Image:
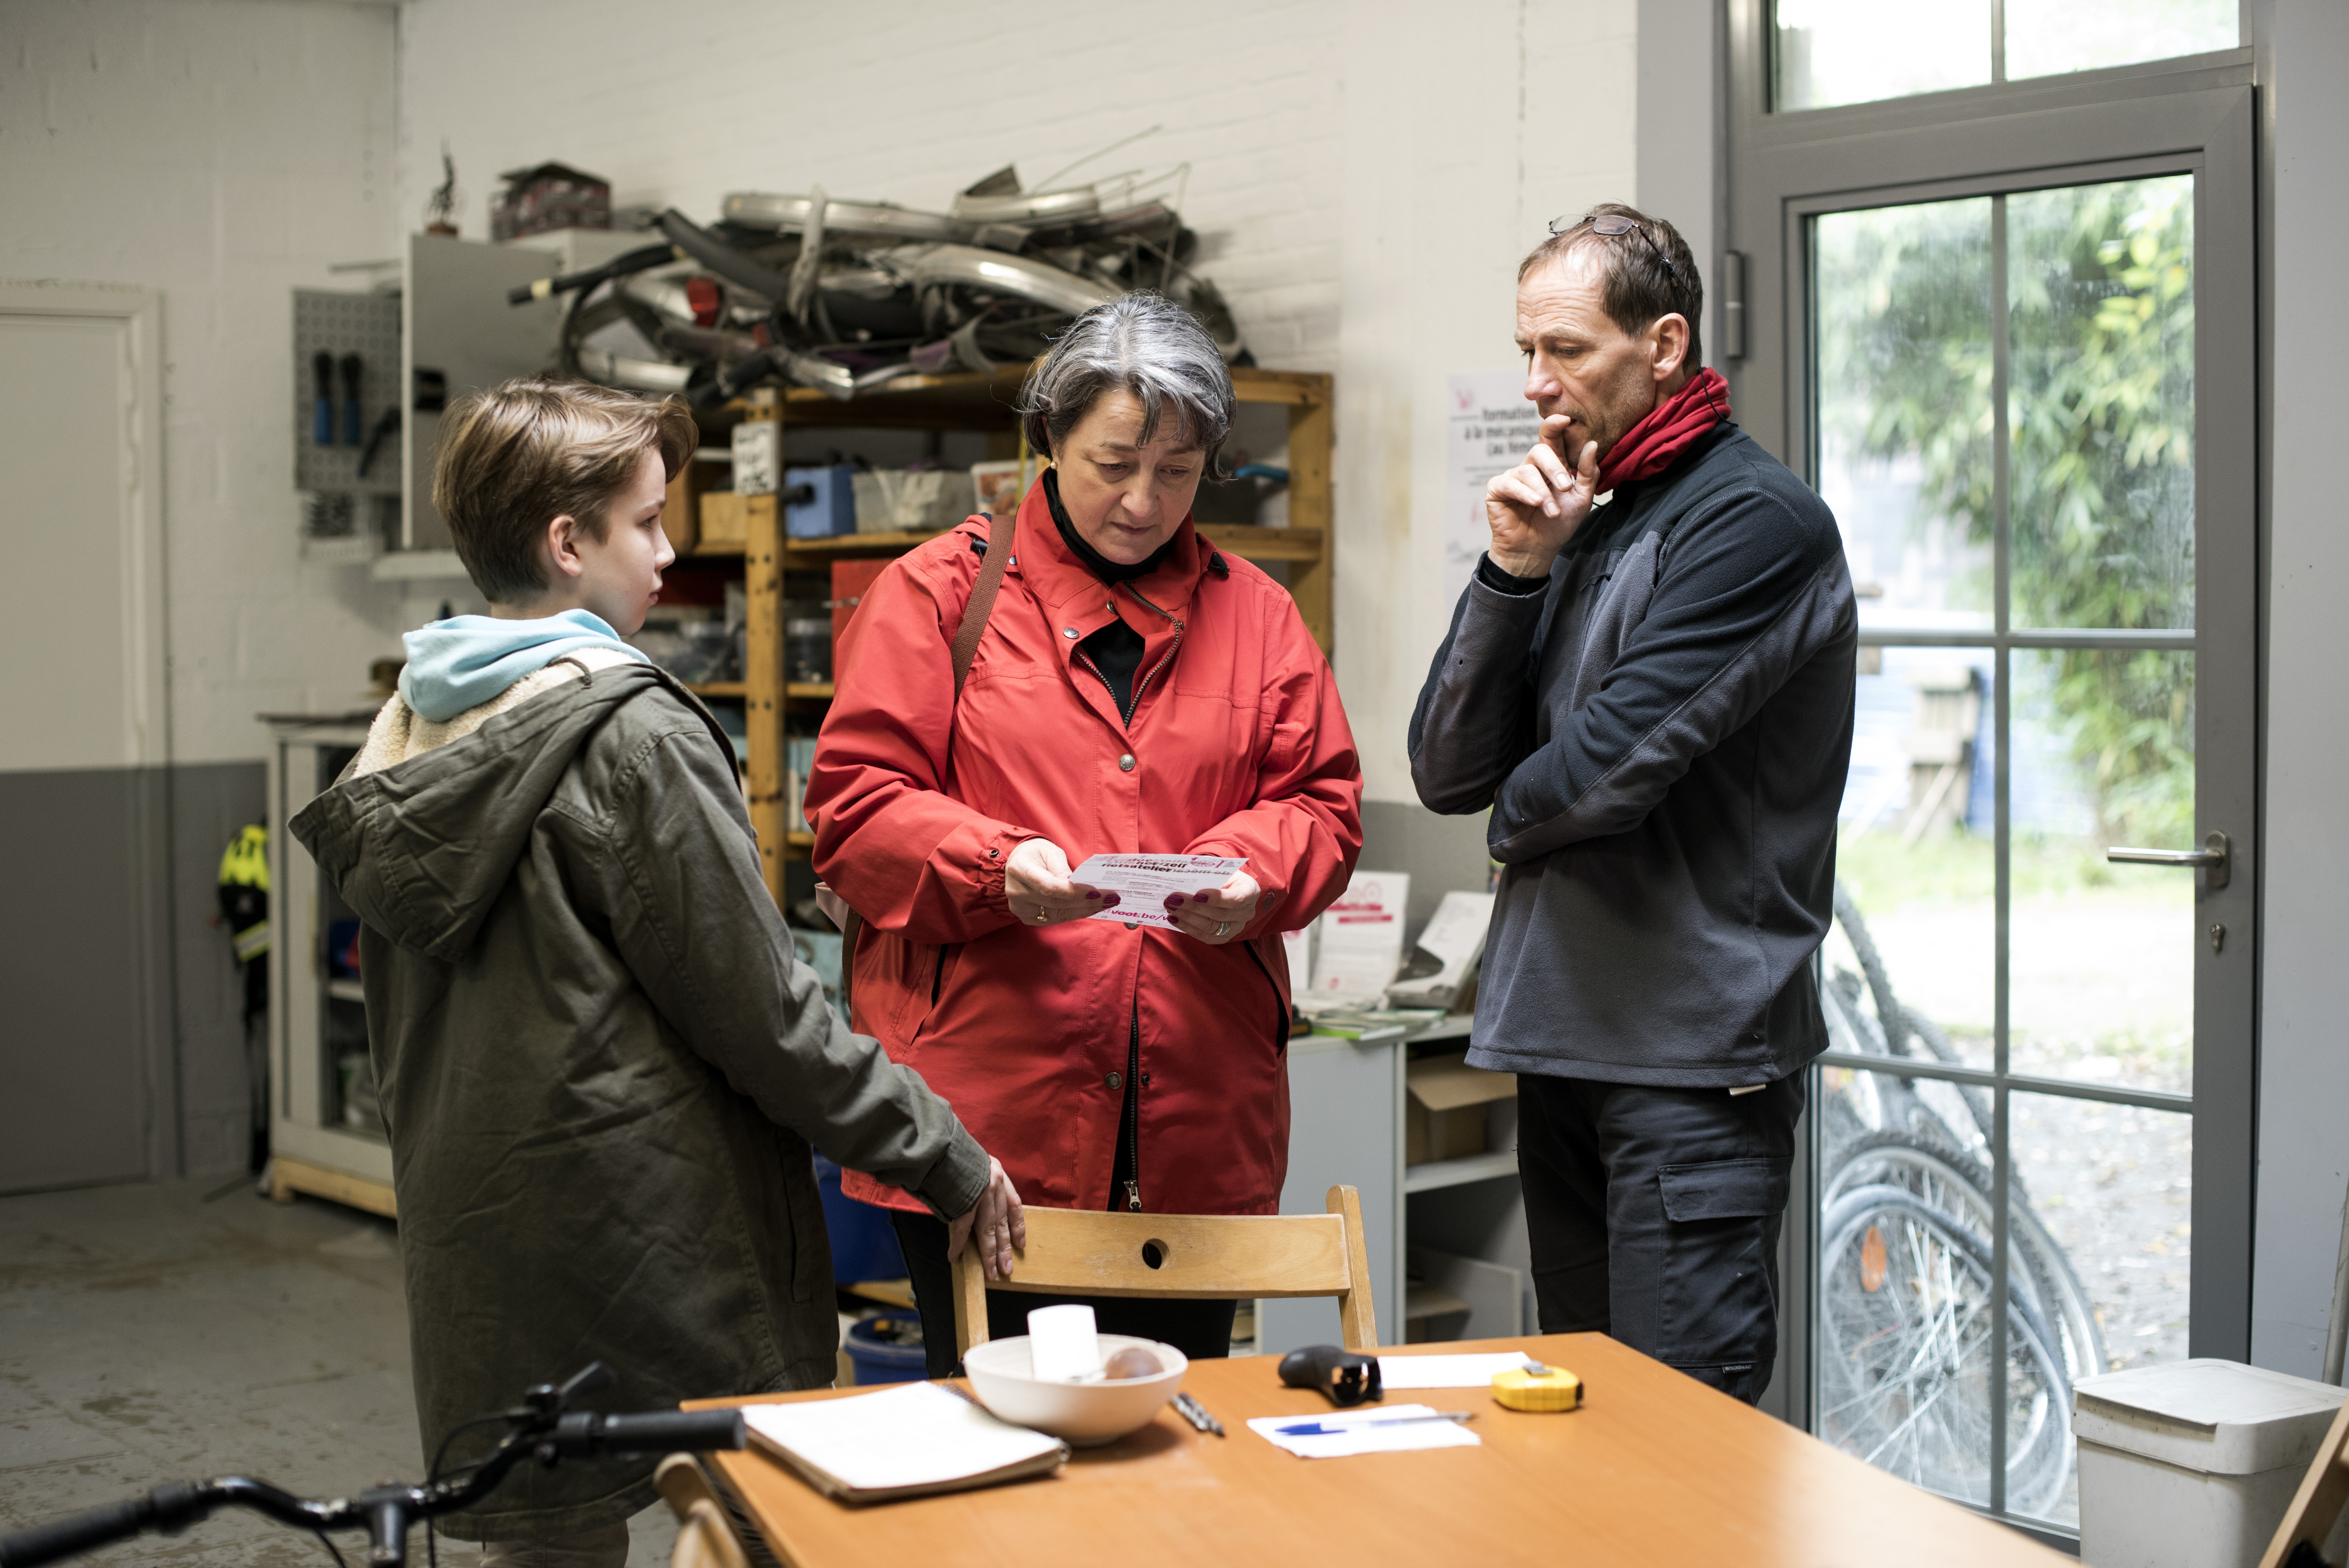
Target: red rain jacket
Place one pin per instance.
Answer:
(1238, 746)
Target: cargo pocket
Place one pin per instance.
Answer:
(1719, 1313)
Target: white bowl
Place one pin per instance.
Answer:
(1083, 1414)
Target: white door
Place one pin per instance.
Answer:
(85, 1047)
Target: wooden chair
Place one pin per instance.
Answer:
(2316, 1506)
(705, 1537)
(1184, 1257)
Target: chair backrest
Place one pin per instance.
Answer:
(2316, 1506)
(704, 1538)
(1197, 1257)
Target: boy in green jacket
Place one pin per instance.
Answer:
(601, 1069)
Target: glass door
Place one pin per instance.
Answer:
(2004, 414)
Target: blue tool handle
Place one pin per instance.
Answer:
(323, 428)
(351, 422)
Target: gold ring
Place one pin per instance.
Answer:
(1223, 928)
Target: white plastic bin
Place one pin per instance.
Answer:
(2191, 1465)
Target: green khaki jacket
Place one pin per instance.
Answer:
(601, 1071)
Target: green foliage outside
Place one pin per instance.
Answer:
(2100, 415)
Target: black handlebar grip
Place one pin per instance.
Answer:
(695, 1431)
(72, 1537)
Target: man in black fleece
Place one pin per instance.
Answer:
(1653, 696)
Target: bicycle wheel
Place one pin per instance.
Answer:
(1904, 1357)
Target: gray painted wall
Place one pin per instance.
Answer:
(1441, 854)
(122, 1056)
(1678, 130)
(2304, 1127)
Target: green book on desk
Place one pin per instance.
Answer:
(1373, 1022)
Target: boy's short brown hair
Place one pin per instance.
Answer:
(516, 457)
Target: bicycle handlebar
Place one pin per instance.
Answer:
(540, 1429)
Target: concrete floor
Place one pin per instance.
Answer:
(148, 1335)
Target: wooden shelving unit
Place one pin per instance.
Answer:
(751, 529)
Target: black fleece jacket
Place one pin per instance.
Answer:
(1662, 732)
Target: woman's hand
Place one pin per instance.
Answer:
(999, 1224)
(1215, 915)
(1036, 885)
(1533, 509)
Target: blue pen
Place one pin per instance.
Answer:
(1321, 1429)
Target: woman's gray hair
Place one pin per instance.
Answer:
(1140, 343)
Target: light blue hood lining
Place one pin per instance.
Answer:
(466, 660)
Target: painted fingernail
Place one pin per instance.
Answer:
(1174, 901)
(1111, 900)
(1090, 893)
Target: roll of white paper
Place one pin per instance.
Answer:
(1062, 1343)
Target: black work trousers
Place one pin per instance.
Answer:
(1201, 1330)
(1654, 1217)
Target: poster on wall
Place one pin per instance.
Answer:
(1491, 427)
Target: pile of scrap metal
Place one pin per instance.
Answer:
(847, 296)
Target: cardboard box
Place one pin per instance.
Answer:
(1443, 1117)
(681, 512)
(726, 518)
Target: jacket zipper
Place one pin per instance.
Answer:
(1132, 1115)
(1173, 648)
(1133, 1110)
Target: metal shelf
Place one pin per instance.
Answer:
(1454, 1173)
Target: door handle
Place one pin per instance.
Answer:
(2212, 858)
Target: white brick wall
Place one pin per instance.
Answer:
(1365, 177)
(223, 152)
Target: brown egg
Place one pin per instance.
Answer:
(1132, 1362)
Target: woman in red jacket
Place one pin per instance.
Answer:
(1133, 691)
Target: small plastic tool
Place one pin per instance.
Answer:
(1346, 1376)
(1538, 1387)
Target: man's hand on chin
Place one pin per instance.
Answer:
(1533, 509)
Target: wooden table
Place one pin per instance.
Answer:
(1657, 1468)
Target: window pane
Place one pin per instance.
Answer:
(2102, 967)
(2045, 37)
(2102, 1243)
(1915, 873)
(2100, 286)
(1855, 51)
(1903, 313)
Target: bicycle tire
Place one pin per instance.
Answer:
(1914, 1386)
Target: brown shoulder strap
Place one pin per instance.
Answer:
(1001, 531)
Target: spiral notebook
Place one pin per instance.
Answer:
(910, 1440)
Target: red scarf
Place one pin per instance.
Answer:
(1670, 428)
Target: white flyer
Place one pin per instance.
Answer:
(1490, 427)
(1143, 883)
(1361, 944)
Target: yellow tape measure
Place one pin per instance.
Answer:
(1538, 1388)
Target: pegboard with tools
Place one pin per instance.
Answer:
(347, 396)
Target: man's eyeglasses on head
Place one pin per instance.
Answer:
(1612, 225)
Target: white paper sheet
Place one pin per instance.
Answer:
(1448, 1371)
(1365, 1432)
(1142, 883)
(916, 1434)
(1456, 938)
